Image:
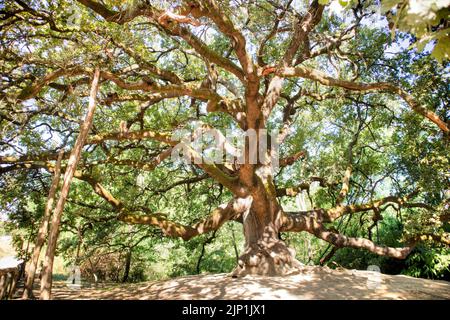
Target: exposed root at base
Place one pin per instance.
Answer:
(272, 259)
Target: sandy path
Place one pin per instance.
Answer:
(312, 283)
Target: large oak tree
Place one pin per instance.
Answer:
(353, 120)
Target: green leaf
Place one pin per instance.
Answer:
(442, 49)
(387, 5)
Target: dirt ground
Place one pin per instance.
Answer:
(312, 283)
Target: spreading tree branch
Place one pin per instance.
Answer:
(308, 73)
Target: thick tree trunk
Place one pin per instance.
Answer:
(42, 233)
(81, 231)
(265, 253)
(126, 272)
(46, 281)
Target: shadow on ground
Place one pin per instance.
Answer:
(312, 283)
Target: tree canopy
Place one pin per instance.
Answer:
(361, 120)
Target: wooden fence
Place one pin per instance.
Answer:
(8, 282)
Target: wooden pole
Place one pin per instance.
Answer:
(46, 281)
(14, 279)
(3, 284)
(43, 228)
